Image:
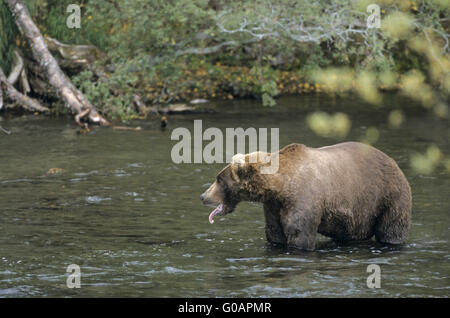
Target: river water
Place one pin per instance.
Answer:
(132, 220)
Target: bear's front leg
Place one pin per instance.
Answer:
(300, 228)
(274, 230)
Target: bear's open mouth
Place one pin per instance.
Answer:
(217, 211)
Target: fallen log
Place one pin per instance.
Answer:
(74, 57)
(138, 128)
(88, 53)
(72, 97)
(16, 96)
(178, 109)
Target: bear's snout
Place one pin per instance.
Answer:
(206, 198)
(212, 196)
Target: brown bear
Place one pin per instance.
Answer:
(347, 191)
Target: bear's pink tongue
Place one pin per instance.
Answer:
(216, 211)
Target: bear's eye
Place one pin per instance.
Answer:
(220, 180)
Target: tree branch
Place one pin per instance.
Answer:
(5, 131)
(26, 102)
(17, 68)
(215, 48)
(340, 24)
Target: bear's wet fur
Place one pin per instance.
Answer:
(348, 191)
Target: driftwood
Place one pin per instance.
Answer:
(5, 131)
(81, 53)
(170, 109)
(127, 128)
(72, 97)
(12, 93)
(140, 106)
(74, 57)
(178, 109)
(198, 101)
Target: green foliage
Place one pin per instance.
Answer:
(51, 16)
(8, 31)
(267, 87)
(117, 107)
(280, 46)
(323, 124)
(426, 163)
(157, 50)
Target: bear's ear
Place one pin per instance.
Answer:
(237, 165)
(238, 159)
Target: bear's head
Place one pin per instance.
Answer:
(241, 180)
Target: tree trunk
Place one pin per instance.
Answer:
(73, 98)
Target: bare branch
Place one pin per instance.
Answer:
(26, 102)
(437, 59)
(215, 48)
(26, 89)
(5, 131)
(17, 68)
(341, 23)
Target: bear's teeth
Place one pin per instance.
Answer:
(216, 211)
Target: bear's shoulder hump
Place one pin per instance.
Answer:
(292, 148)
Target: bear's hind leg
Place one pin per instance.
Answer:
(393, 224)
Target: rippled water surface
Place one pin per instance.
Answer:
(132, 219)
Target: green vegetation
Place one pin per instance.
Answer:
(7, 37)
(167, 51)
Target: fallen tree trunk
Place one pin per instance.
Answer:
(26, 102)
(74, 58)
(72, 97)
